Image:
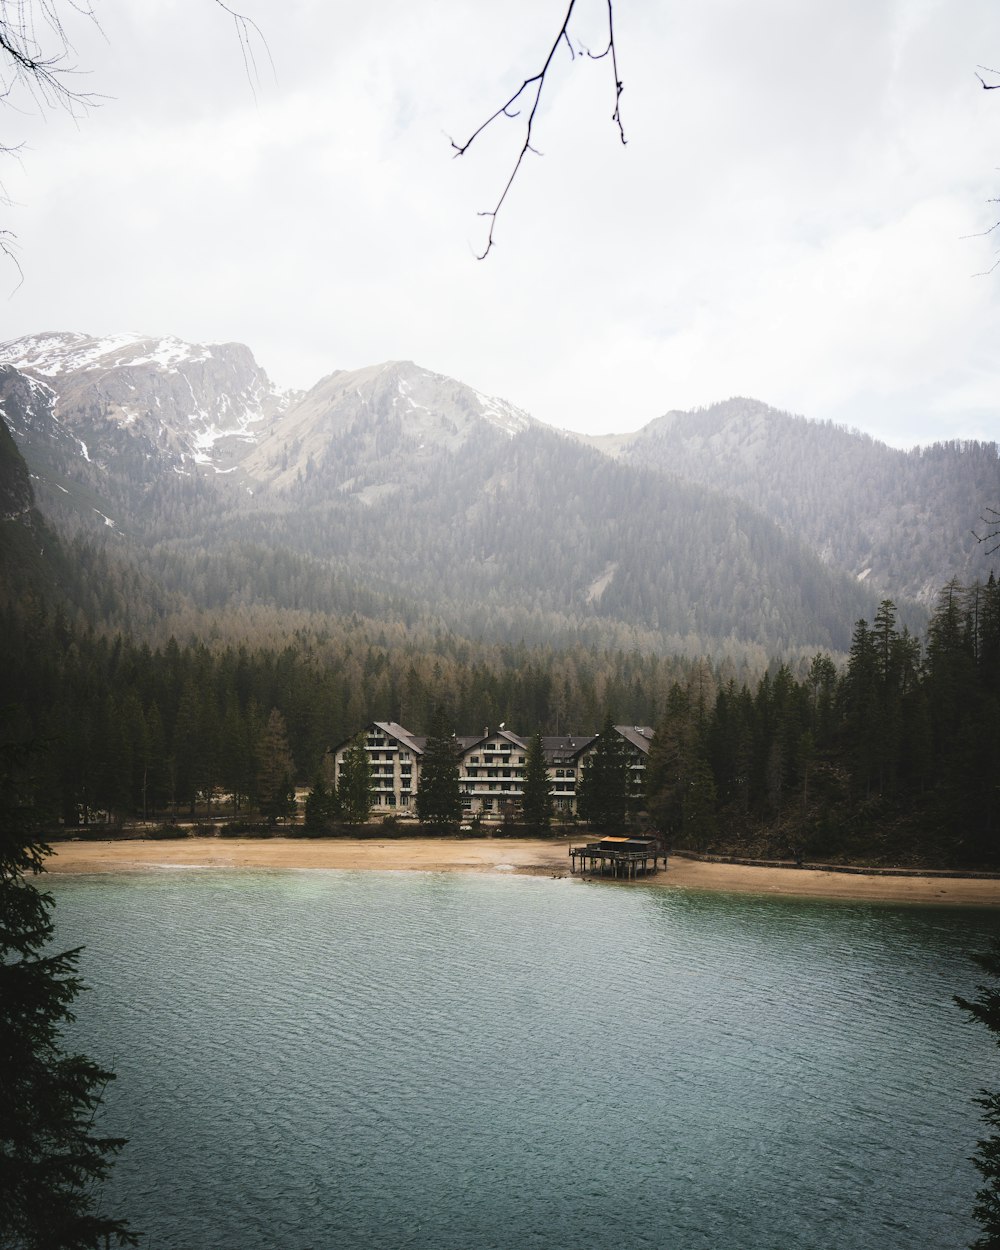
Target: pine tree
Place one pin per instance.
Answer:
(985, 1009)
(439, 803)
(698, 806)
(536, 801)
(52, 1162)
(322, 807)
(668, 764)
(602, 798)
(276, 771)
(861, 690)
(354, 787)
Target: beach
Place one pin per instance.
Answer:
(516, 855)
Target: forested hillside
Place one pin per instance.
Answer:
(901, 520)
(173, 689)
(893, 759)
(395, 491)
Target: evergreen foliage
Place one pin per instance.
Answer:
(985, 1009)
(603, 793)
(439, 803)
(354, 787)
(52, 1159)
(322, 807)
(276, 771)
(536, 799)
(893, 758)
(842, 492)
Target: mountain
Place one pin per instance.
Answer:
(395, 412)
(901, 520)
(32, 560)
(398, 492)
(17, 499)
(178, 404)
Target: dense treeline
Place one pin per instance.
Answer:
(896, 758)
(138, 730)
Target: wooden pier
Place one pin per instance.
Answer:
(625, 859)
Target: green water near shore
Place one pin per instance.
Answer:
(343, 1059)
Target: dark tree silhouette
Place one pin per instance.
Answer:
(602, 797)
(536, 801)
(439, 803)
(354, 788)
(985, 1009)
(52, 1161)
(37, 71)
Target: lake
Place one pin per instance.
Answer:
(324, 1059)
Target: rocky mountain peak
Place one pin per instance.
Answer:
(379, 413)
(191, 404)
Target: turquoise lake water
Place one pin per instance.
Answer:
(336, 1059)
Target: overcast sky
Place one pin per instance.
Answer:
(789, 220)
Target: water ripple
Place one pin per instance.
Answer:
(332, 1059)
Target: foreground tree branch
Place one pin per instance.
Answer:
(982, 234)
(246, 31)
(34, 56)
(528, 96)
(991, 519)
(37, 73)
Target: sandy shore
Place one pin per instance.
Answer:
(501, 855)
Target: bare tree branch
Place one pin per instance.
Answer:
(35, 52)
(991, 519)
(246, 29)
(34, 55)
(982, 234)
(531, 90)
(8, 243)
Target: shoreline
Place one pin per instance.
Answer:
(535, 857)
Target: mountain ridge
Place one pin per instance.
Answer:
(425, 490)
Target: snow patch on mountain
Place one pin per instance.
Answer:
(52, 355)
(185, 403)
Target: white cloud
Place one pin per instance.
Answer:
(785, 222)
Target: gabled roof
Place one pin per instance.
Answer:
(639, 736)
(477, 741)
(402, 736)
(566, 749)
(467, 744)
(391, 730)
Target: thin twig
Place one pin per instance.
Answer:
(537, 82)
(992, 522)
(616, 116)
(246, 28)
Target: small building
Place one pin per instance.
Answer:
(564, 759)
(625, 858)
(491, 768)
(394, 758)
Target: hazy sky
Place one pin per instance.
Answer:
(788, 219)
